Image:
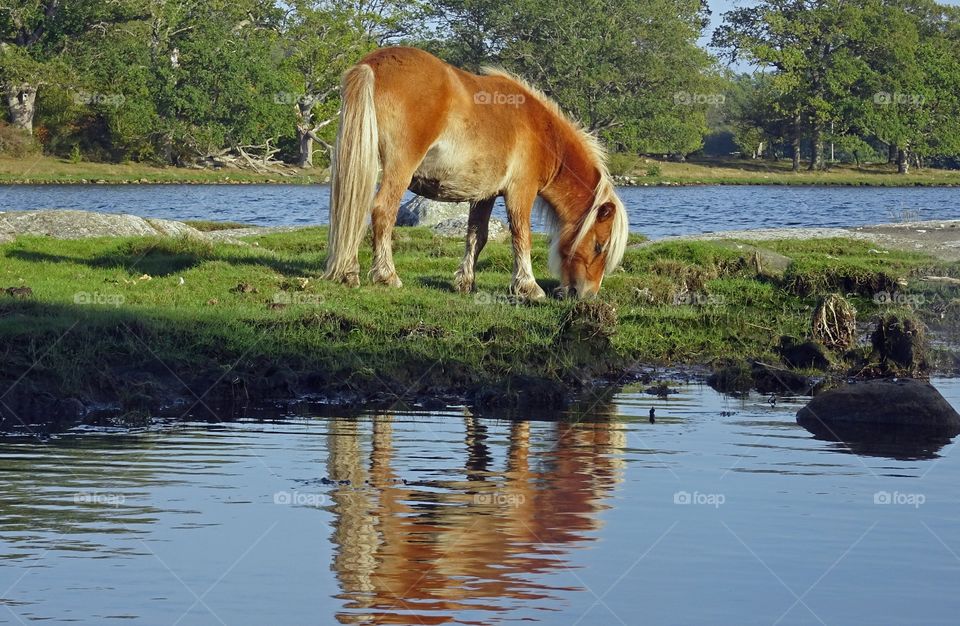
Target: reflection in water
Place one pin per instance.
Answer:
(424, 517)
(418, 552)
(903, 444)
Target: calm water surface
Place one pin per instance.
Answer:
(654, 211)
(722, 512)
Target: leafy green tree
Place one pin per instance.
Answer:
(38, 39)
(909, 97)
(321, 39)
(630, 71)
(809, 45)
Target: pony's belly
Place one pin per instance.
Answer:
(454, 176)
(444, 190)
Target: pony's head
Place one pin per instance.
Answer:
(582, 254)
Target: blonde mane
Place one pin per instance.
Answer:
(603, 193)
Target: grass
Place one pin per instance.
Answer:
(127, 320)
(45, 169)
(764, 172)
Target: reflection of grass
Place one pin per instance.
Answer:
(264, 308)
(42, 169)
(763, 172)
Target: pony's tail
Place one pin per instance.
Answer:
(353, 175)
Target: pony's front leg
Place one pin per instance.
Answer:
(523, 284)
(477, 227)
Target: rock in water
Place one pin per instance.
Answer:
(422, 211)
(903, 405)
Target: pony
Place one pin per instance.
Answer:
(454, 136)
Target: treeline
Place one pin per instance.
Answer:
(254, 82)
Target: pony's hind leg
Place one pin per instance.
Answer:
(519, 205)
(385, 208)
(477, 227)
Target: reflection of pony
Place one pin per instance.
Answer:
(476, 539)
(450, 135)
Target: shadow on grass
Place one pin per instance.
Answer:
(60, 360)
(160, 262)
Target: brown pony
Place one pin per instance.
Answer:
(450, 135)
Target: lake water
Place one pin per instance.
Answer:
(724, 511)
(654, 211)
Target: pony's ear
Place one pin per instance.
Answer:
(605, 211)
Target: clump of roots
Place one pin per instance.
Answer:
(834, 322)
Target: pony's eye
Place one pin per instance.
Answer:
(597, 248)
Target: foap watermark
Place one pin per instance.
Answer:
(708, 499)
(99, 499)
(686, 98)
(912, 300)
(498, 98)
(499, 499)
(885, 98)
(900, 498)
(88, 98)
(297, 498)
(485, 297)
(308, 299)
(98, 298)
(289, 98)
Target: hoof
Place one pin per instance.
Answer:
(350, 280)
(390, 281)
(463, 284)
(528, 291)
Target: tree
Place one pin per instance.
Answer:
(34, 36)
(630, 71)
(808, 44)
(321, 39)
(908, 98)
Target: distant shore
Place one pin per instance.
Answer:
(628, 171)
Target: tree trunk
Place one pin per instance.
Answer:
(305, 160)
(21, 101)
(903, 161)
(305, 132)
(795, 142)
(816, 158)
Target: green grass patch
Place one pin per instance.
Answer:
(122, 319)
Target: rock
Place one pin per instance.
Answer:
(422, 211)
(70, 224)
(457, 227)
(899, 404)
(171, 228)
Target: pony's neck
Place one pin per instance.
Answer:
(572, 189)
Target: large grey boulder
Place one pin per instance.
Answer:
(420, 211)
(70, 224)
(457, 227)
(902, 405)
